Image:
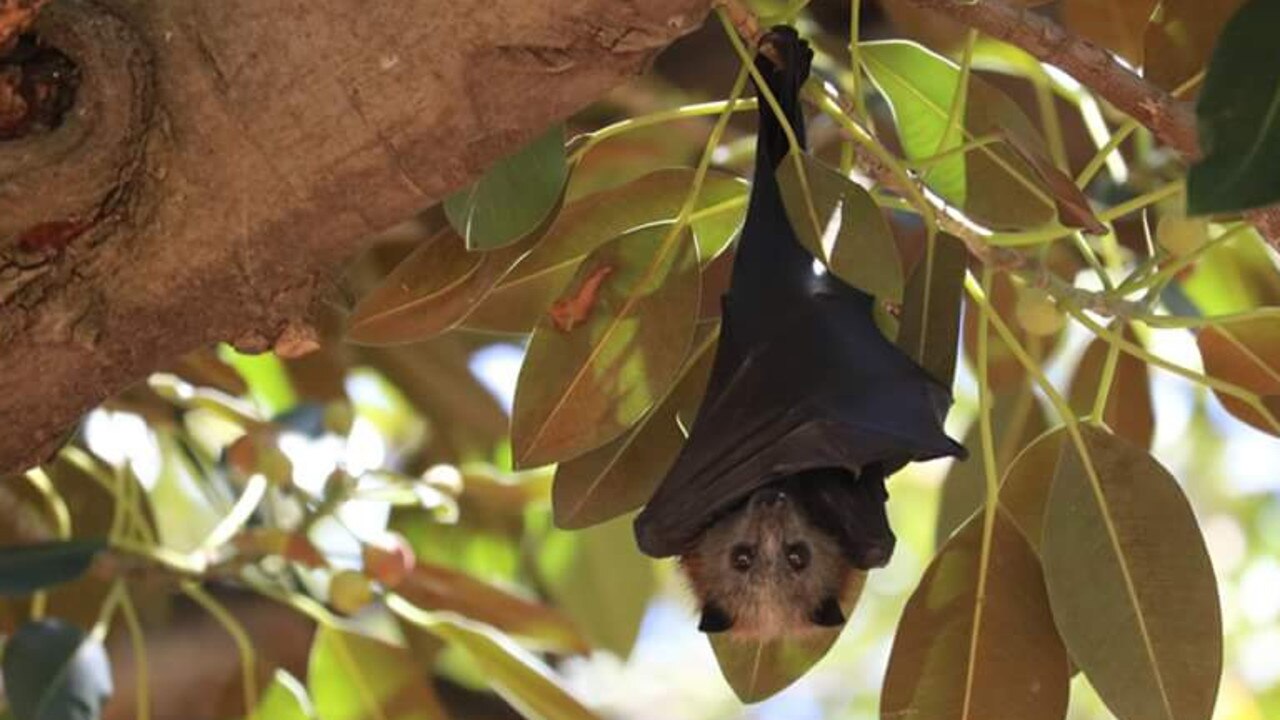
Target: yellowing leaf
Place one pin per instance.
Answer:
(1245, 351)
(582, 387)
(956, 656)
(758, 669)
(1233, 277)
(284, 699)
(354, 677)
(1130, 583)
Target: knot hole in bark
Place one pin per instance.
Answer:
(75, 106)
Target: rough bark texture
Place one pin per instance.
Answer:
(224, 158)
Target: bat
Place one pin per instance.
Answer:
(778, 494)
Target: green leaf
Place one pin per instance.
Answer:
(354, 677)
(522, 680)
(758, 669)
(25, 569)
(1245, 351)
(601, 580)
(521, 297)
(838, 222)
(621, 476)
(992, 184)
(284, 699)
(54, 671)
(1017, 419)
(1130, 583)
(513, 196)
(609, 348)
(977, 639)
(929, 326)
(1130, 412)
(1181, 36)
(267, 378)
(1233, 277)
(1238, 116)
(434, 587)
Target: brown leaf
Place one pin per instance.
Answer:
(435, 587)
(977, 639)
(1130, 583)
(1073, 206)
(1245, 350)
(1181, 37)
(1017, 419)
(1118, 25)
(431, 291)
(1024, 491)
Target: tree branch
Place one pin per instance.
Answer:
(223, 159)
(1169, 119)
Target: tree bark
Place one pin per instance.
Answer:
(223, 159)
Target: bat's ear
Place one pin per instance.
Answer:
(828, 613)
(714, 619)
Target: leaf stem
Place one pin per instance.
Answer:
(1105, 381)
(992, 489)
(959, 97)
(138, 641)
(1178, 264)
(1226, 388)
(596, 137)
(244, 645)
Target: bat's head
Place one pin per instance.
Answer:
(775, 566)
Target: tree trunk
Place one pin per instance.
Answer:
(223, 159)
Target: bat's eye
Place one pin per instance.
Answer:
(741, 557)
(798, 556)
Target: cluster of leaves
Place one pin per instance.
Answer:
(451, 571)
(1063, 545)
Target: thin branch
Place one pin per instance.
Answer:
(1169, 119)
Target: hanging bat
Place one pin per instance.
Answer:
(778, 495)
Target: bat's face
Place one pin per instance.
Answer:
(767, 570)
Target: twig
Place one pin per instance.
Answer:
(1029, 268)
(1169, 119)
